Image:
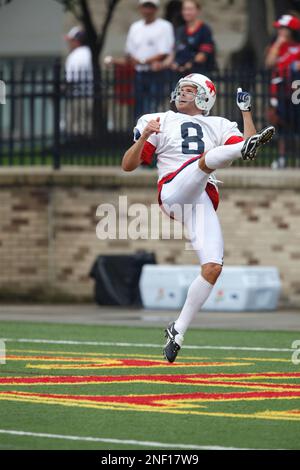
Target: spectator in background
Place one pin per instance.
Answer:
(79, 60)
(79, 77)
(173, 13)
(149, 41)
(283, 58)
(194, 47)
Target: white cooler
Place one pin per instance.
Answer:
(239, 288)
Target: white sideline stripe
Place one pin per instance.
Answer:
(138, 345)
(117, 441)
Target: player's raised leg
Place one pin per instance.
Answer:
(224, 156)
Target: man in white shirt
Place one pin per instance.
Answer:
(79, 76)
(79, 61)
(149, 41)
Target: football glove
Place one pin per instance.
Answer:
(243, 100)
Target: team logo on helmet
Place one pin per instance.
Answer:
(211, 87)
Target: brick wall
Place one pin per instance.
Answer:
(48, 226)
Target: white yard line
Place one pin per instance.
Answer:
(140, 345)
(117, 441)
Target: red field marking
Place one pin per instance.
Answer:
(129, 363)
(108, 362)
(186, 403)
(186, 379)
(153, 400)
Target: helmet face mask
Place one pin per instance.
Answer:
(205, 96)
(178, 93)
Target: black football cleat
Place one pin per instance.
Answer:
(174, 343)
(253, 143)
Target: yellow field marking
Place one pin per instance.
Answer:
(215, 381)
(292, 415)
(97, 355)
(261, 376)
(146, 356)
(212, 383)
(284, 413)
(63, 359)
(119, 355)
(261, 359)
(94, 366)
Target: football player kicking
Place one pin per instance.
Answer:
(189, 146)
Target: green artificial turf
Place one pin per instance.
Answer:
(219, 422)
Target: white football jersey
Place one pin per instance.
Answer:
(183, 137)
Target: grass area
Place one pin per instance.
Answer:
(47, 160)
(120, 390)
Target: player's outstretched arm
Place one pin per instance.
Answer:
(243, 100)
(133, 156)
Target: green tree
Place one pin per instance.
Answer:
(81, 10)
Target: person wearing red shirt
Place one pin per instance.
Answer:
(283, 58)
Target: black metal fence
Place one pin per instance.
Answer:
(47, 120)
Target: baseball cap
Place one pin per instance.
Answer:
(288, 21)
(75, 33)
(154, 2)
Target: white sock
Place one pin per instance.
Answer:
(197, 294)
(222, 157)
